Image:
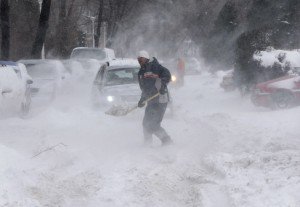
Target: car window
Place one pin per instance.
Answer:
(89, 54)
(122, 76)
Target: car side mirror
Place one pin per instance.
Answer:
(6, 90)
(29, 81)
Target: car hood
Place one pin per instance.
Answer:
(122, 90)
(274, 82)
(286, 84)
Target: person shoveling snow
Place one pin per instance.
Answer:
(153, 78)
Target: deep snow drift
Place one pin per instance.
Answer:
(226, 153)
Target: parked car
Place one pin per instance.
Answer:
(116, 83)
(47, 76)
(100, 54)
(87, 56)
(14, 87)
(279, 93)
(228, 81)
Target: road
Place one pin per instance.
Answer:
(226, 153)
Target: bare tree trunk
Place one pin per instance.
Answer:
(5, 29)
(42, 29)
(62, 33)
(100, 19)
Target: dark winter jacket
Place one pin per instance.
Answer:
(152, 77)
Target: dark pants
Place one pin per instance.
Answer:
(154, 114)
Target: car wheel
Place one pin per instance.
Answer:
(283, 99)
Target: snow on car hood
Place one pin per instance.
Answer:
(122, 90)
(286, 83)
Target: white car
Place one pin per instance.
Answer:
(47, 77)
(100, 54)
(15, 95)
(88, 55)
(117, 83)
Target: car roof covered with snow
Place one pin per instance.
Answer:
(10, 63)
(37, 61)
(107, 52)
(122, 62)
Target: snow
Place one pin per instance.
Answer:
(286, 84)
(125, 62)
(9, 82)
(271, 56)
(227, 153)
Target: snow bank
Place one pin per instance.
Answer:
(14, 179)
(226, 153)
(282, 57)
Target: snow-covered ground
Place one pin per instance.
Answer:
(227, 153)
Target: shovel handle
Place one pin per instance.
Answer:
(148, 99)
(151, 98)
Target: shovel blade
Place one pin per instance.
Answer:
(119, 110)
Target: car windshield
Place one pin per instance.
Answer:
(122, 76)
(41, 71)
(89, 54)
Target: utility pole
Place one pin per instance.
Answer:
(43, 49)
(103, 34)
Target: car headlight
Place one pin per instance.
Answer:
(110, 98)
(173, 78)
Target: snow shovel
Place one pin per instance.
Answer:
(123, 111)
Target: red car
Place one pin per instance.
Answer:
(279, 93)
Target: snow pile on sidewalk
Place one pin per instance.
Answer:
(282, 57)
(14, 179)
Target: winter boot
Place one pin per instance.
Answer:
(148, 139)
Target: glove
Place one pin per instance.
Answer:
(162, 90)
(141, 103)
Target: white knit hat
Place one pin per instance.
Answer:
(144, 54)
